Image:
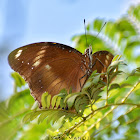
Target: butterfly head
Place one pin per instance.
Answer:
(88, 53)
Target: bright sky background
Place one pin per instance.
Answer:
(29, 21)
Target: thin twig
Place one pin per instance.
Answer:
(131, 121)
(132, 89)
(107, 89)
(132, 108)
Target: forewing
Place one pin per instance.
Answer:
(48, 67)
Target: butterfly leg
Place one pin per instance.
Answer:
(99, 61)
(80, 80)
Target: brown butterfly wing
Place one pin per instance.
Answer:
(48, 67)
(101, 60)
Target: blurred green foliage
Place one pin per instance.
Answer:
(102, 110)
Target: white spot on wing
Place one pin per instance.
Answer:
(38, 57)
(18, 54)
(37, 63)
(48, 67)
(106, 62)
(41, 52)
(107, 57)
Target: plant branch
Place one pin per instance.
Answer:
(114, 107)
(70, 130)
(107, 89)
(131, 121)
(131, 90)
(93, 113)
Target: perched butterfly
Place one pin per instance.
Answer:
(50, 67)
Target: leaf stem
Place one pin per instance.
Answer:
(107, 89)
(131, 90)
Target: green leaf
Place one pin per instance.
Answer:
(71, 100)
(44, 99)
(58, 123)
(76, 105)
(114, 86)
(94, 73)
(35, 114)
(35, 105)
(135, 72)
(62, 103)
(19, 98)
(73, 95)
(63, 93)
(48, 101)
(19, 81)
(96, 89)
(58, 102)
(117, 57)
(126, 85)
(26, 118)
(43, 116)
(113, 75)
(96, 96)
(113, 67)
(58, 115)
(52, 116)
(53, 102)
(96, 79)
(81, 103)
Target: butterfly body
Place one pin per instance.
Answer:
(50, 67)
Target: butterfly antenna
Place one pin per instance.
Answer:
(99, 31)
(85, 32)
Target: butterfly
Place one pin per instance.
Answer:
(50, 67)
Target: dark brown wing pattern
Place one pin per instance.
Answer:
(101, 61)
(48, 67)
